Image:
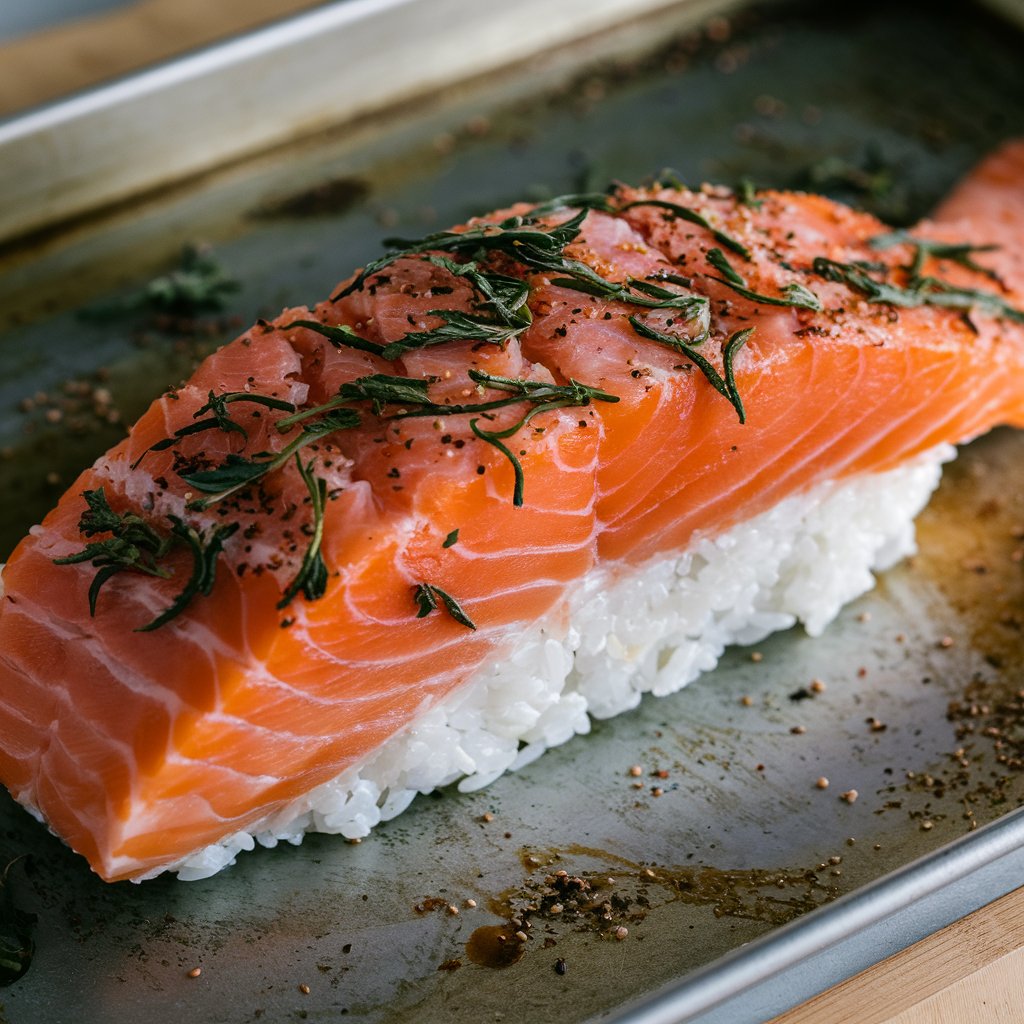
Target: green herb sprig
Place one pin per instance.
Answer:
(920, 291)
(793, 294)
(311, 578)
(135, 545)
(426, 594)
(220, 420)
(205, 548)
(693, 217)
(236, 472)
(725, 386)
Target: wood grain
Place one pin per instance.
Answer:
(46, 65)
(970, 971)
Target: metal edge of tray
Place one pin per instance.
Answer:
(316, 70)
(796, 943)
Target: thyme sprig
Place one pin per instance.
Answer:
(426, 594)
(794, 294)
(311, 578)
(217, 405)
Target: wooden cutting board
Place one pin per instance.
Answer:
(971, 972)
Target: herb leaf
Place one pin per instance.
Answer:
(724, 386)
(426, 595)
(793, 294)
(458, 326)
(134, 545)
(204, 567)
(961, 253)
(217, 404)
(693, 217)
(339, 336)
(518, 237)
(451, 540)
(311, 578)
(236, 472)
(922, 291)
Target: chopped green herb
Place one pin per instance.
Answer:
(426, 595)
(339, 336)
(198, 285)
(961, 253)
(518, 237)
(726, 386)
(451, 540)
(205, 551)
(747, 194)
(693, 217)
(134, 545)
(311, 578)
(220, 419)
(505, 296)
(457, 327)
(138, 546)
(922, 291)
(235, 472)
(793, 294)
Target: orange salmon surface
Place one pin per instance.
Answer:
(349, 510)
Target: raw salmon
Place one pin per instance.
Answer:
(350, 509)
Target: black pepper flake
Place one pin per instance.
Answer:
(480, 470)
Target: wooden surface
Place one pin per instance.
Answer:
(969, 973)
(63, 59)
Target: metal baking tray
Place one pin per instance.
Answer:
(742, 886)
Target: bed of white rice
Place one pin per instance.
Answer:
(651, 628)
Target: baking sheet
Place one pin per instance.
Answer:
(740, 841)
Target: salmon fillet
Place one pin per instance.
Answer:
(350, 509)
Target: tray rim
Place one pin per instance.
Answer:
(317, 70)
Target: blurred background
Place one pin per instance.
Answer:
(49, 48)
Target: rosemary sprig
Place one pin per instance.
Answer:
(235, 472)
(311, 578)
(518, 237)
(457, 326)
(217, 405)
(426, 595)
(136, 545)
(793, 294)
(921, 291)
(546, 397)
(693, 217)
(924, 248)
(339, 336)
(205, 550)
(724, 386)
(505, 296)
